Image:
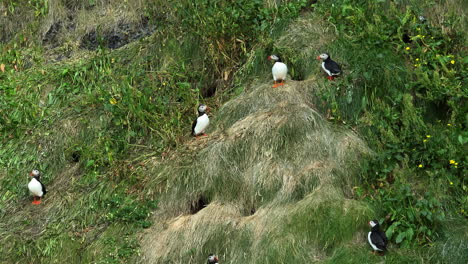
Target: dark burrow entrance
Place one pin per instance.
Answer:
(75, 156)
(199, 204)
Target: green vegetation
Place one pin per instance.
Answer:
(409, 102)
(99, 96)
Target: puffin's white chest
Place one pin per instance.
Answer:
(279, 70)
(35, 187)
(370, 242)
(325, 69)
(202, 123)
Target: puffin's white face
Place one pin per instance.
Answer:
(324, 56)
(213, 258)
(273, 57)
(35, 173)
(372, 223)
(202, 108)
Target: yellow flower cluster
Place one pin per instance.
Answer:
(454, 163)
(452, 61)
(420, 166)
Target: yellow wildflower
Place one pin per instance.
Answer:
(428, 136)
(418, 29)
(456, 166)
(449, 124)
(425, 140)
(452, 162)
(420, 166)
(451, 183)
(415, 65)
(452, 61)
(113, 101)
(417, 59)
(407, 48)
(456, 163)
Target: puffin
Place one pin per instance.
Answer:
(329, 66)
(201, 123)
(279, 70)
(36, 187)
(377, 239)
(212, 259)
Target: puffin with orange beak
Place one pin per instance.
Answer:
(329, 66)
(212, 259)
(36, 187)
(200, 124)
(279, 71)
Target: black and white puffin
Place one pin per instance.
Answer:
(200, 124)
(279, 70)
(377, 239)
(212, 259)
(329, 66)
(36, 187)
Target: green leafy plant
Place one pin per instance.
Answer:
(404, 94)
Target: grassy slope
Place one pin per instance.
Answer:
(96, 206)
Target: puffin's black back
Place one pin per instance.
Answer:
(193, 126)
(44, 191)
(332, 66)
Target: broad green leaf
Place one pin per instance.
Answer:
(400, 237)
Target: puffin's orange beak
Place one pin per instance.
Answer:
(318, 57)
(30, 174)
(216, 259)
(269, 57)
(208, 109)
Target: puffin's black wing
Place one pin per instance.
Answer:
(378, 240)
(384, 237)
(193, 126)
(332, 66)
(44, 191)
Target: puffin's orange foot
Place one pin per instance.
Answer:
(275, 85)
(282, 83)
(330, 78)
(36, 202)
(204, 135)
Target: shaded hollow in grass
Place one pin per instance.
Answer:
(198, 204)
